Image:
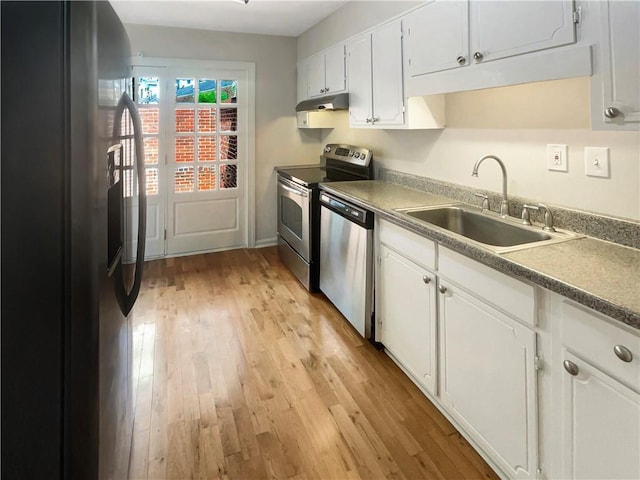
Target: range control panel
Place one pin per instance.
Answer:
(348, 153)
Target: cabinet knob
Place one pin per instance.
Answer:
(478, 57)
(426, 279)
(461, 60)
(375, 119)
(326, 90)
(571, 367)
(322, 90)
(369, 120)
(623, 353)
(611, 112)
(442, 289)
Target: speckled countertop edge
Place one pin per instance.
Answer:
(407, 197)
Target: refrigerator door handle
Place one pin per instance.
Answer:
(127, 300)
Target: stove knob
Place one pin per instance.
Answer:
(327, 149)
(357, 155)
(351, 153)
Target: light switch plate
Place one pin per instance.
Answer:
(596, 161)
(557, 158)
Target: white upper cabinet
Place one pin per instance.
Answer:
(454, 45)
(502, 29)
(437, 37)
(376, 86)
(360, 86)
(374, 62)
(615, 90)
(327, 72)
(447, 34)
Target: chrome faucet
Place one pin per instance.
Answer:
(504, 206)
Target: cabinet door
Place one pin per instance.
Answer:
(437, 35)
(406, 309)
(621, 55)
(601, 425)
(359, 70)
(335, 77)
(502, 29)
(488, 379)
(315, 70)
(388, 91)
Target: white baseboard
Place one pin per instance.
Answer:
(266, 242)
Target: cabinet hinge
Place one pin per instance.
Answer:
(577, 15)
(539, 475)
(379, 260)
(538, 363)
(165, 159)
(165, 233)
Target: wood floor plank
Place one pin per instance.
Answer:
(241, 374)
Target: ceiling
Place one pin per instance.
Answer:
(282, 17)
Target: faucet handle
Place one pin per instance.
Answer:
(485, 200)
(548, 218)
(526, 219)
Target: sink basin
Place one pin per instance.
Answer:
(498, 234)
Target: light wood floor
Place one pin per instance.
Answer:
(240, 373)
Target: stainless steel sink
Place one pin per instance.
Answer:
(485, 228)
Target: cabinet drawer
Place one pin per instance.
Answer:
(504, 292)
(591, 336)
(419, 249)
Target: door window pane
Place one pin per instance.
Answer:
(206, 178)
(149, 117)
(228, 147)
(206, 149)
(228, 176)
(207, 120)
(228, 119)
(183, 179)
(185, 120)
(184, 149)
(185, 90)
(151, 150)
(151, 178)
(228, 91)
(148, 90)
(206, 91)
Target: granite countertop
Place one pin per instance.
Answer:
(601, 275)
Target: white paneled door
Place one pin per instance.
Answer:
(195, 123)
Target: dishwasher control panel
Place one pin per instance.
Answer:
(347, 210)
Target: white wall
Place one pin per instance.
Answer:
(353, 18)
(514, 123)
(278, 141)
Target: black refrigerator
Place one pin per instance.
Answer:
(72, 203)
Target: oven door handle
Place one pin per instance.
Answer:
(293, 190)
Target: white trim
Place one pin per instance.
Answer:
(250, 69)
(266, 242)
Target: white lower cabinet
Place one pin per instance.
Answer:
(543, 387)
(488, 379)
(408, 327)
(598, 402)
(600, 423)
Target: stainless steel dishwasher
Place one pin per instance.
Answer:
(346, 260)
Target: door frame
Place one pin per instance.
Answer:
(250, 69)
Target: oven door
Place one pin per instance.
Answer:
(293, 216)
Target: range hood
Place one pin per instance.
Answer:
(339, 101)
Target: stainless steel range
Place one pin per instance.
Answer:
(299, 206)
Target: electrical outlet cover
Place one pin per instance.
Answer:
(596, 161)
(557, 158)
